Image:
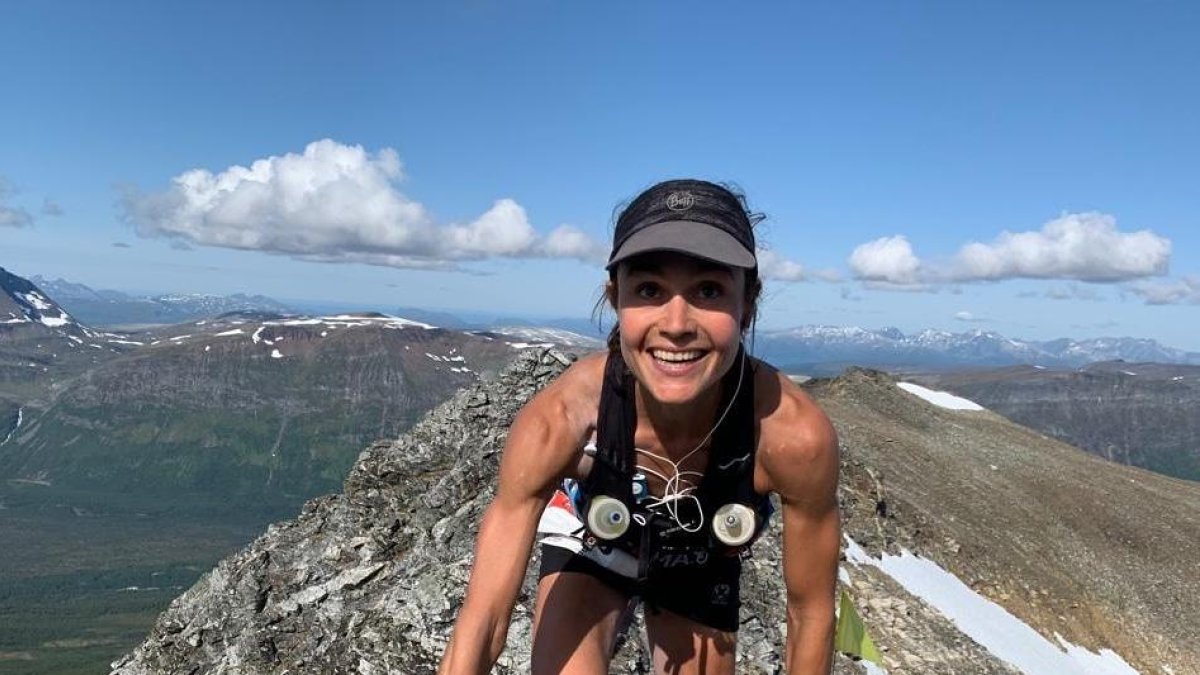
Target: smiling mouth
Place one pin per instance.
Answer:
(677, 356)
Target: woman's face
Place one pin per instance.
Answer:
(680, 320)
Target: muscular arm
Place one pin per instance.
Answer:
(803, 470)
(542, 443)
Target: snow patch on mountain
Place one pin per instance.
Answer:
(942, 399)
(336, 321)
(43, 310)
(986, 622)
(546, 336)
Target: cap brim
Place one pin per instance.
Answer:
(682, 236)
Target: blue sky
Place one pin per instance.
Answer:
(1016, 167)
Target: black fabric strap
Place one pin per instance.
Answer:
(612, 467)
(735, 442)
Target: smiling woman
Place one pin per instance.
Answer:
(647, 469)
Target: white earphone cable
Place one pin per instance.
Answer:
(673, 492)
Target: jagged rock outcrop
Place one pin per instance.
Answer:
(369, 581)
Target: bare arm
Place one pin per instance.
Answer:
(803, 468)
(542, 443)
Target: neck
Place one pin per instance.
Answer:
(679, 427)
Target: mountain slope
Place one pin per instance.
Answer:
(1100, 553)
(370, 580)
(39, 340)
(1142, 414)
(242, 406)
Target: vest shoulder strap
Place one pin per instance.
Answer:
(735, 442)
(612, 465)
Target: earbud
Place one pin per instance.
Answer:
(607, 518)
(734, 524)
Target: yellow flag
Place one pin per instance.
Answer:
(852, 635)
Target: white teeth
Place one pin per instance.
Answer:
(676, 357)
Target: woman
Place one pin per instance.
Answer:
(648, 467)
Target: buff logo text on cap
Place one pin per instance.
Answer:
(680, 201)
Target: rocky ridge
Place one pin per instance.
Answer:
(369, 581)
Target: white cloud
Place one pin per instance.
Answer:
(336, 202)
(968, 317)
(1079, 246)
(1084, 247)
(51, 207)
(568, 241)
(11, 216)
(1179, 292)
(502, 230)
(889, 260)
(773, 266)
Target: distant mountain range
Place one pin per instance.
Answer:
(811, 350)
(826, 350)
(114, 308)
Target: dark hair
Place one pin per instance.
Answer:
(733, 198)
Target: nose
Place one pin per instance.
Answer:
(677, 318)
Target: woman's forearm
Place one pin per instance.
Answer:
(501, 555)
(475, 645)
(809, 649)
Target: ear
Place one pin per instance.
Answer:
(610, 293)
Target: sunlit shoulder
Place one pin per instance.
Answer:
(570, 401)
(798, 448)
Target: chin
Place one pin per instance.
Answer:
(674, 395)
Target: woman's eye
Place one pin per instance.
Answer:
(710, 291)
(647, 290)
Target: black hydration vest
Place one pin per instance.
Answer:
(728, 477)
